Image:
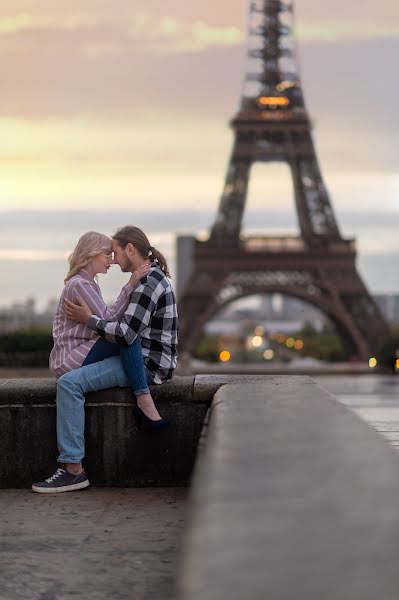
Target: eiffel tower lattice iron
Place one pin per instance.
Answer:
(318, 266)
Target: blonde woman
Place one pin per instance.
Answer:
(75, 344)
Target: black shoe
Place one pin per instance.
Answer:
(62, 481)
(142, 419)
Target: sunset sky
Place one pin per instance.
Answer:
(127, 105)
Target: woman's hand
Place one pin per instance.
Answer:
(139, 273)
(79, 312)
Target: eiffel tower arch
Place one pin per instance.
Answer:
(318, 266)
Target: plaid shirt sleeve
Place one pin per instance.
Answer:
(137, 317)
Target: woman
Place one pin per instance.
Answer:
(76, 345)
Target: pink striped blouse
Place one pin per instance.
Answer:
(73, 341)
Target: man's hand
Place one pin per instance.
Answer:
(77, 312)
(139, 273)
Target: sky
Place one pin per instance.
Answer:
(128, 109)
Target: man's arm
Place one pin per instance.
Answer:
(90, 296)
(138, 315)
(84, 299)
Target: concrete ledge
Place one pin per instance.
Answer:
(41, 391)
(116, 453)
(293, 497)
(206, 386)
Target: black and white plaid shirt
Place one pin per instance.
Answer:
(151, 314)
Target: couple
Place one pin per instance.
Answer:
(95, 347)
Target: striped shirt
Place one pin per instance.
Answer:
(152, 315)
(73, 341)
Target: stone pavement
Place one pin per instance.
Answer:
(93, 544)
(314, 514)
(373, 398)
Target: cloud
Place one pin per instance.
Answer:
(100, 50)
(138, 80)
(95, 34)
(205, 35)
(28, 22)
(159, 33)
(331, 32)
(169, 34)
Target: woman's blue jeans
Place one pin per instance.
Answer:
(132, 362)
(107, 365)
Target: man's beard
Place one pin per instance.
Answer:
(126, 267)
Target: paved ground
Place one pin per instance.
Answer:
(93, 544)
(124, 543)
(374, 398)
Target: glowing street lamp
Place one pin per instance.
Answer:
(224, 356)
(257, 341)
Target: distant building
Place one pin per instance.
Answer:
(23, 315)
(275, 313)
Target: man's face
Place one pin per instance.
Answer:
(120, 257)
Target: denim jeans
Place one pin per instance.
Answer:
(71, 390)
(132, 361)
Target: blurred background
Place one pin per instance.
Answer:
(113, 116)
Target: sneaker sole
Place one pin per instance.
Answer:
(64, 488)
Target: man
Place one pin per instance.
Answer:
(152, 315)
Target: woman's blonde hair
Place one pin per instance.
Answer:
(89, 244)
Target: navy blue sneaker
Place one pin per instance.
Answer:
(62, 481)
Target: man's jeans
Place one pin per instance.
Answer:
(132, 362)
(71, 389)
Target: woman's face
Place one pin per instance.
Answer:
(101, 262)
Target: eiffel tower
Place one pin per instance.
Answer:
(318, 266)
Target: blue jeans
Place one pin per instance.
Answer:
(132, 361)
(71, 390)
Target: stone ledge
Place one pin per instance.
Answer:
(42, 391)
(206, 386)
(293, 497)
(117, 454)
(198, 388)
